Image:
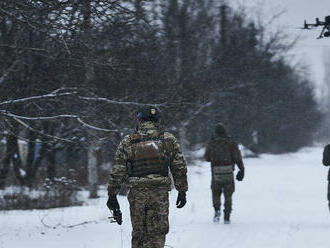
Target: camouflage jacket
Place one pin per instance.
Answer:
(177, 164)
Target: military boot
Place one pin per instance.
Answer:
(217, 214)
(227, 218)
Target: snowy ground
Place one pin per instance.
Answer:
(281, 203)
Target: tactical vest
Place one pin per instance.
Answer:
(148, 156)
(220, 152)
(221, 160)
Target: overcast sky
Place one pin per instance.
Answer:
(309, 49)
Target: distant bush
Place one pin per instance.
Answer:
(59, 192)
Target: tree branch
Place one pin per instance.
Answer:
(94, 127)
(47, 96)
(102, 99)
(19, 119)
(39, 118)
(41, 133)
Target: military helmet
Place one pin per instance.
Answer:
(148, 113)
(220, 129)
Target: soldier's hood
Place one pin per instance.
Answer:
(147, 127)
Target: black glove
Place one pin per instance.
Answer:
(117, 216)
(181, 201)
(240, 175)
(112, 203)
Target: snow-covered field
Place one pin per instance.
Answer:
(281, 203)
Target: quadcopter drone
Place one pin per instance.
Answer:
(326, 26)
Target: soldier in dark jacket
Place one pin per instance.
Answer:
(223, 153)
(326, 162)
(143, 161)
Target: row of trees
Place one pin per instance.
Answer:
(73, 74)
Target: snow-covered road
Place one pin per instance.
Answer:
(281, 204)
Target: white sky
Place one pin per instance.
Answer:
(309, 49)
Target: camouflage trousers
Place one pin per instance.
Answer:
(227, 189)
(149, 217)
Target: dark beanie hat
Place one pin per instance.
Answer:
(220, 130)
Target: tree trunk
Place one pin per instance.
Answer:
(7, 153)
(51, 165)
(92, 170)
(184, 141)
(26, 175)
(89, 76)
(223, 25)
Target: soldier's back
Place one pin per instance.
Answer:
(220, 151)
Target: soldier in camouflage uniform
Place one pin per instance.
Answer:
(143, 160)
(223, 153)
(326, 162)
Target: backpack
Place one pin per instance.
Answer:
(326, 155)
(148, 156)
